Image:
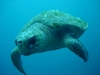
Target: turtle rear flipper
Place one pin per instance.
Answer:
(77, 47)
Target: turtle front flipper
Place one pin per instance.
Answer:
(16, 59)
(77, 47)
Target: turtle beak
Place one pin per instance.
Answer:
(16, 60)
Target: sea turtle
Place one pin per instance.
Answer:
(50, 30)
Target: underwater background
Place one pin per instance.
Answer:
(14, 14)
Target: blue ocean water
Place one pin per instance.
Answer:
(14, 14)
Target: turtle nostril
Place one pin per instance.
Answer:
(18, 42)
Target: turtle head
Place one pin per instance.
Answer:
(29, 41)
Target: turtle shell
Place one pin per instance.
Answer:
(56, 20)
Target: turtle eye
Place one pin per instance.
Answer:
(32, 40)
